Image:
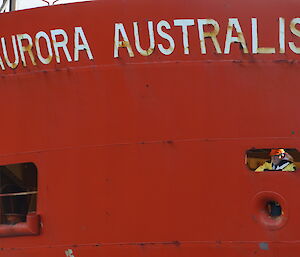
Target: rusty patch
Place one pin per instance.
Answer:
(210, 34)
(124, 44)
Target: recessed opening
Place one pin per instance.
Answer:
(273, 159)
(18, 192)
(273, 209)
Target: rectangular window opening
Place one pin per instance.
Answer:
(18, 192)
(273, 159)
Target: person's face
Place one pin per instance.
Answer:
(13, 219)
(276, 158)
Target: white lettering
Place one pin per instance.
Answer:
(296, 32)
(281, 35)
(14, 42)
(213, 34)
(1, 64)
(184, 23)
(79, 34)
(255, 48)
(137, 39)
(119, 28)
(38, 36)
(62, 44)
(234, 23)
(27, 48)
(165, 51)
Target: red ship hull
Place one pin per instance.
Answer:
(145, 155)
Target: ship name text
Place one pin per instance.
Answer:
(159, 36)
(57, 39)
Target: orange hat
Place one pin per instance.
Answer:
(276, 152)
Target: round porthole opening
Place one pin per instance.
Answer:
(270, 210)
(273, 209)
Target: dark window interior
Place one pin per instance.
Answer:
(18, 192)
(273, 209)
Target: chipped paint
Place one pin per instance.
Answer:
(264, 246)
(69, 253)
